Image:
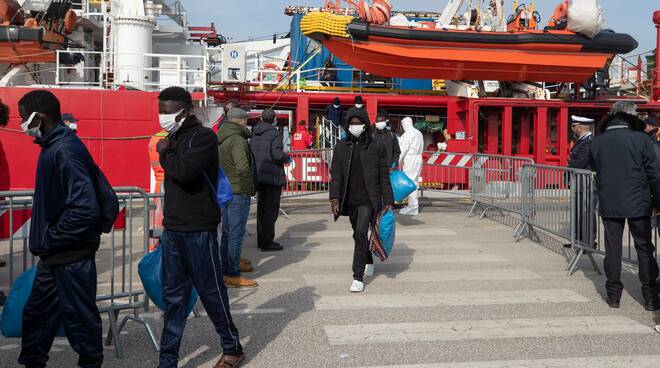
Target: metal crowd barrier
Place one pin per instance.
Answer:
(561, 202)
(308, 173)
(496, 182)
(119, 287)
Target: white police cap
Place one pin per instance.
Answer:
(579, 120)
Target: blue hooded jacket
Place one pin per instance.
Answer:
(65, 223)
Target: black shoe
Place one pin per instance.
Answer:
(3, 298)
(613, 303)
(568, 245)
(652, 306)
(272, 248)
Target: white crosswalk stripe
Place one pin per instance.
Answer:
(487, 329)
(342, 302)
(643, 361)
(430, 276)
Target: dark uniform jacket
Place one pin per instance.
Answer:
(628, 172)
(580, 157)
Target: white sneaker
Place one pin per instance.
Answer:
(357, 286)
(369, 270)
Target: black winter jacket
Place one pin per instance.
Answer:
(374, 167)
(191, 168)
(628, 171)
(269, 155)
(65, 223)
(391, 144)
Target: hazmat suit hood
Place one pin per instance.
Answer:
(407, 124)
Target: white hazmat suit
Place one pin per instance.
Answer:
(412, 146)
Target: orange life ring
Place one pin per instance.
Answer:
(273, 67)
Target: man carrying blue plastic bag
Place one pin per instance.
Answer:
(191, 216)
(360, 187)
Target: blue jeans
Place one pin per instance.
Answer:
(193, 259)
(234, 217)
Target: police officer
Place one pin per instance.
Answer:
(580, 159)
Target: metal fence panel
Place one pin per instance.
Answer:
(119, 287)
(308, 172)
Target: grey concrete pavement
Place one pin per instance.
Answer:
(457, 293)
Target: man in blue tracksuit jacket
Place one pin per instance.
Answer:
(65, 234)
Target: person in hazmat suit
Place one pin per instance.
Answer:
(412, 146)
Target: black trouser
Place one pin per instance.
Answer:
(640, 228)
(360, 217)
(268, 210)
(193, 259)
(63, 295)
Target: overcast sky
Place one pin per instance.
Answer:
(242, 19)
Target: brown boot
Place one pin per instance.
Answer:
(246, 267)
(230, 361)
(239, 282)
(246, 261)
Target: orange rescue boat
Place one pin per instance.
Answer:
(425, 53)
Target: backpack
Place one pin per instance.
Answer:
(222, 190)
(107, 198)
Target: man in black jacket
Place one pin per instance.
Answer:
(191, 257)
(65, 234)
(360, 187)
(628, 182)
(384, 136)
(269, 158)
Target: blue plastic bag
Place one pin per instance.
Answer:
(402, 185)
(387, 231)
(222, 188)
(151, 273)
(12, 313)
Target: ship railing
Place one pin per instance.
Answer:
(316, 80)
(187, 71)
(275, 79)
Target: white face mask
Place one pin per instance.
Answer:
(336, 106)
(169, 122)
(356, 130)
(33, 132)
(381, 125)
(359, 106)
